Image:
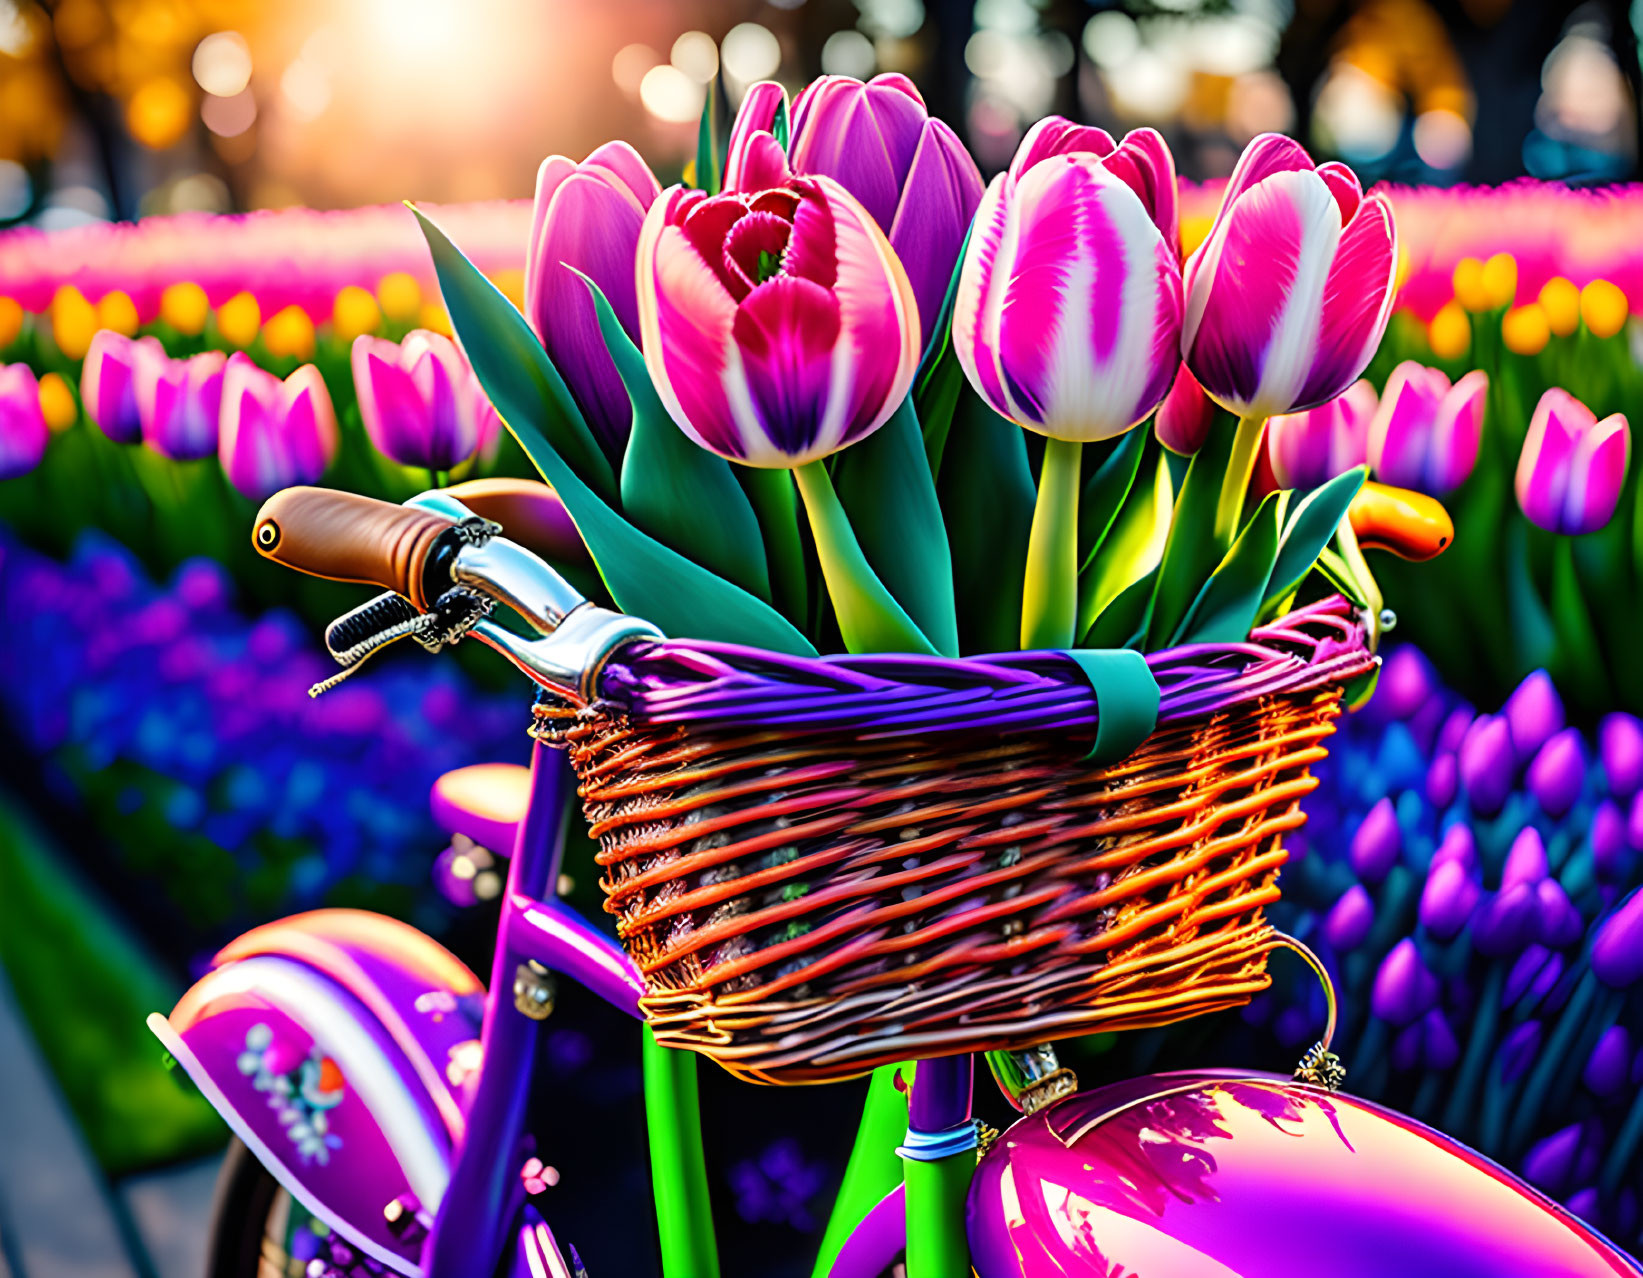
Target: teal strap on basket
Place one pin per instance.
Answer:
(1126, 699)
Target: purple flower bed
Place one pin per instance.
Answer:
(1469, 880)
(184, 729)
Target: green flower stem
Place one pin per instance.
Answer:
(1049, 598)
(873, 1170)
(1235, 483)
(869, 618)
(936, 1244)
(678, 1170)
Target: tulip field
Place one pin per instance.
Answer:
(832, 397)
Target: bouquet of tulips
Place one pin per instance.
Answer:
(838, 393)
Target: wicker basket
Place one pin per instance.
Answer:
(810, 901)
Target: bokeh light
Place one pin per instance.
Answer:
(669, 94)
(222, 63)
(751, 52)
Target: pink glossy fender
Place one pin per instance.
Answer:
(343, 1048)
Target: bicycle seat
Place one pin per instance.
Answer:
(530, 513)
(485, 802)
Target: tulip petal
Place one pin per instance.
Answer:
(632, 174)
(685, 299)
(1458, 435)
(1056, 135)
(1343, 184)
(785, 333)
(1542, 480)
(23, 430)
(1143, 161)
(1267, 155)
(863, 136)
(755, 118)
(812, 252)
(982, 282)
(938, 199)
(1597, 474)
(1357, 299)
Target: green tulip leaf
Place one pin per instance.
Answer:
(645, 578)
(1227, 606)
(1133, 546)
(1123, 622)
(885, 486)
(987, 495)
(1310, 527)
(708, 172)
(940, 377)
(781, 126)
(1105, 491)
(678, 492)
(775, 503)
(1190, 554)
(1339, 575)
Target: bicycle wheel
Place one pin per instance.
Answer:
(259, 1231)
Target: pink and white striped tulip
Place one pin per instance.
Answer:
(877, 139)
(1309, 448)
(1427, 432)
(1289, 295)
(274, 434)
(108, 382)
(418, 399)
(1186, 415)
(23, 430)
(180, 404)
(1068, 313)
(1572, 467)
(587, 217)
(778, 326)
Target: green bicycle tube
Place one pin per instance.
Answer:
(873, 1170)
(678, 1170)
(936, 1243)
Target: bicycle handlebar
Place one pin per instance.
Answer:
(346, 537)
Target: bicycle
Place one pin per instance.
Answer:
(383, 1089)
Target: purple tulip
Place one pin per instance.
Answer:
(1377, 844)
(418, 399)
(274, 434)
(1426, 433)
(1634, 822)
(1506, 922)
(1439, 1050)
(1620, 745)
(1185, 416)
(1442, 781)
(1311, 447)
(1349, 919)
(23, 430)
(1074, 240)
(1573, 466)
(1454, 730)
(108, 383)
(1535, 973)
(1553, 1162)
(1407, 682)
(1518, 1050)
(1560, 922)
(1610, 1062)
(1558, 772)
(1300, 328)
(778, 326)
(1610, 854)
(910, 172)
(180, 404)
(1534, 712)
(1404, 988)
(1525, 861)
(1617, 950)
(588, 216)
(1457, 844)
(1488, 766)
(1448, 899)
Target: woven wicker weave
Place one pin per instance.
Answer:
(807, 903)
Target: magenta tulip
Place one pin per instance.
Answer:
(1068, 309)
(1426, 432)
(108, 382)
(778, 326)
(1311, 447)
(910, 172)
(23, 431)
(1573, 466)
(1185, 416)
(274, 434)
(1289, 295)
(587, 217)
(180, 404)
(418, 399)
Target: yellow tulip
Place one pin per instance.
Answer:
(511, 283)
(185, 306)
(400, 296)
(1194, 231)
(1500, 280)
(11, 321)
(1560, 299)
(1468, 283)
(1524, 329)
(354, 313)
(290, 332)
(434, 319)
(1603, 306)
(117, 312)
(73, 322)
(57, 404)
(238, 319)
(1450, 332)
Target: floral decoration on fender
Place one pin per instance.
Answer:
(301, 1089)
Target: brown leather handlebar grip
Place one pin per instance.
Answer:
(530, 513)
(346, 537)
